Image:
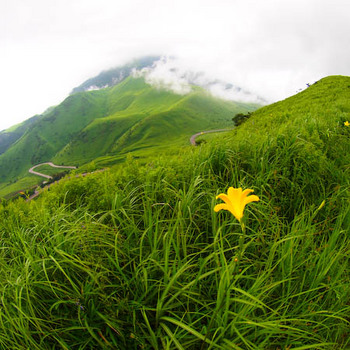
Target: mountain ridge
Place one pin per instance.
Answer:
(114, 76)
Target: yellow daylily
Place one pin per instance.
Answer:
(235, 201)
(346, 123)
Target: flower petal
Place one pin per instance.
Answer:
(246, 192)
(235, 196)
(224, 197)
(221, 207)
(252, 198)
(234, 192)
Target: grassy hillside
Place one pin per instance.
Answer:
(141, 117)
(9, 136)
(54, 131)
(111, 122)
(310, 126)
(135, 257)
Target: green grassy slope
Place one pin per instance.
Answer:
(111, 122)
(313, 121)
(42, 141)
(9, 136)
(126, 104)
(143, 117)
(135, 256)
(304, 141)
(323, 105)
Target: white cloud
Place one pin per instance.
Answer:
(165, 75)
(179, 76)
(270, 48)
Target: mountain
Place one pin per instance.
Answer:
(167, 72)
(106, 124)
(116, 75)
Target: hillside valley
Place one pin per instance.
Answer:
(105, 124)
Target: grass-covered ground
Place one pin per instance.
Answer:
(136, 258)
(10, 190)
(30, 181)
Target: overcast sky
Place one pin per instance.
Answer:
(269, 47)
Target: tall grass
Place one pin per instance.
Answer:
(136, 258)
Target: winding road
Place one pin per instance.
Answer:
(31, 170)
(193, 137)
(192, 140)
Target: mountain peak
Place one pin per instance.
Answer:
(114, 76)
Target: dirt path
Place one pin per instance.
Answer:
(193, 137)
(31, 170)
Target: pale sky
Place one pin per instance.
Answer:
(269, 47)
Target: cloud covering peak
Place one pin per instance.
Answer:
(165, 75)
(175, 75)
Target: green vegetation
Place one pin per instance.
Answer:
(134, 257)
(27, 182)
(240, 118)
(11, 135)
(110, 123)
(207, 137)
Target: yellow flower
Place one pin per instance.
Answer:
(346, 123)
(235, 201)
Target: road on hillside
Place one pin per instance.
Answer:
(38, 192)
(31, 170)
(193, 137)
